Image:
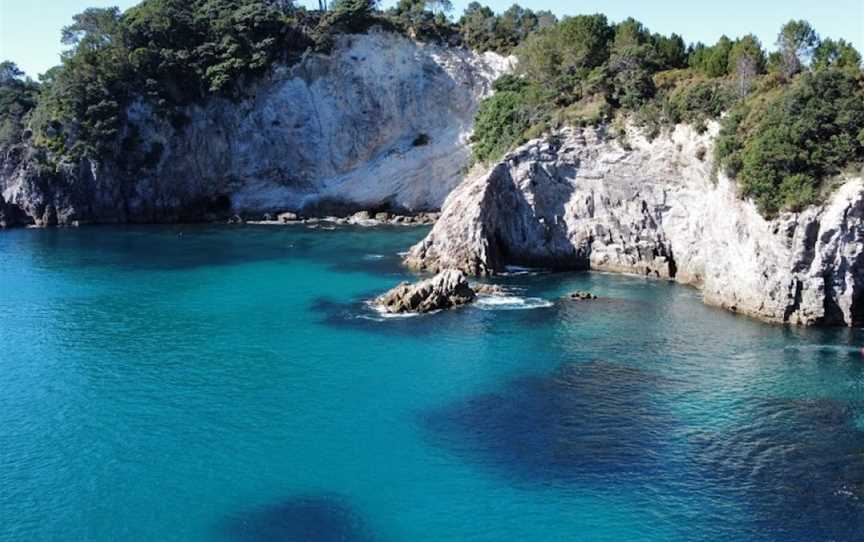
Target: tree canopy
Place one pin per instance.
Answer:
(793, 118)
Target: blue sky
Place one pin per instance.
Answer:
(30, 29)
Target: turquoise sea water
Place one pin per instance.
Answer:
(230, 384)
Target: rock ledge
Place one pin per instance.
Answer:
(447, 289)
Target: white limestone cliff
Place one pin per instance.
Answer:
(380, 123)
(581, 200)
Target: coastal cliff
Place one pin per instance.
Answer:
(380, 123)
(581, 199)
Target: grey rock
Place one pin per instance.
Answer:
(447, 289)
(579, 200)
(580, 295)
(488, 289)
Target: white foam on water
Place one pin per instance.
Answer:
(373, 257)
(510, 303)
(518, 271)
(382, 315)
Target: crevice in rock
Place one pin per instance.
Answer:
(673, 266)
(796, 303)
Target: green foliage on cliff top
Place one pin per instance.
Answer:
(790, 124)
(782, 148)
(169, 53)
(18, 96)
(173, 53)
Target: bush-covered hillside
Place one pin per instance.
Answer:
(791, 119)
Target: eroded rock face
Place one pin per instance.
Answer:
(381, 123)
(447, 289)
(580, 200)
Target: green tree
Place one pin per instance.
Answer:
(670, 52)
(796, 42)
(584, 41)
(632, 62)
(746, 61)
(504, 118)
(806, 135)
(478, 27)
(18, 96)
(717, 62)
(563, 54)
(836, 54)
(417, 13)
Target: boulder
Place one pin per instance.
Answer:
(361, 215)
(488, 289)
(447, 289)
(580, 295)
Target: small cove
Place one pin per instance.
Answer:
(230, 383)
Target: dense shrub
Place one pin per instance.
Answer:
(18, 97)
(796, 140)
(787, 128)
(483, 30)
(503, 119)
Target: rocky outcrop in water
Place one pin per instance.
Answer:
(581, 200)
(447, 289)
(581, 296)
(380, 124)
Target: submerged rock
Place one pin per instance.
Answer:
(583, 422)
(580, 295)
(488, 289)
(321, 518)
(797, 462)
(447, 289)
(578, 199)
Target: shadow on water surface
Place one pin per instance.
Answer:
(595, 421)
(359, 315)
(794, 466)
(797, 463)
(318, 518)
(181, 247)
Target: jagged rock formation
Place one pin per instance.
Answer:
(447, 289)
(581, 200)
(381, 124)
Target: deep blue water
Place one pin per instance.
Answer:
(229, 384)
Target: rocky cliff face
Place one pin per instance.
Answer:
(581, 200)
(380, 123)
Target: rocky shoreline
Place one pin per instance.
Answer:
(581, 200)
(301, 140)
(361, 218)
